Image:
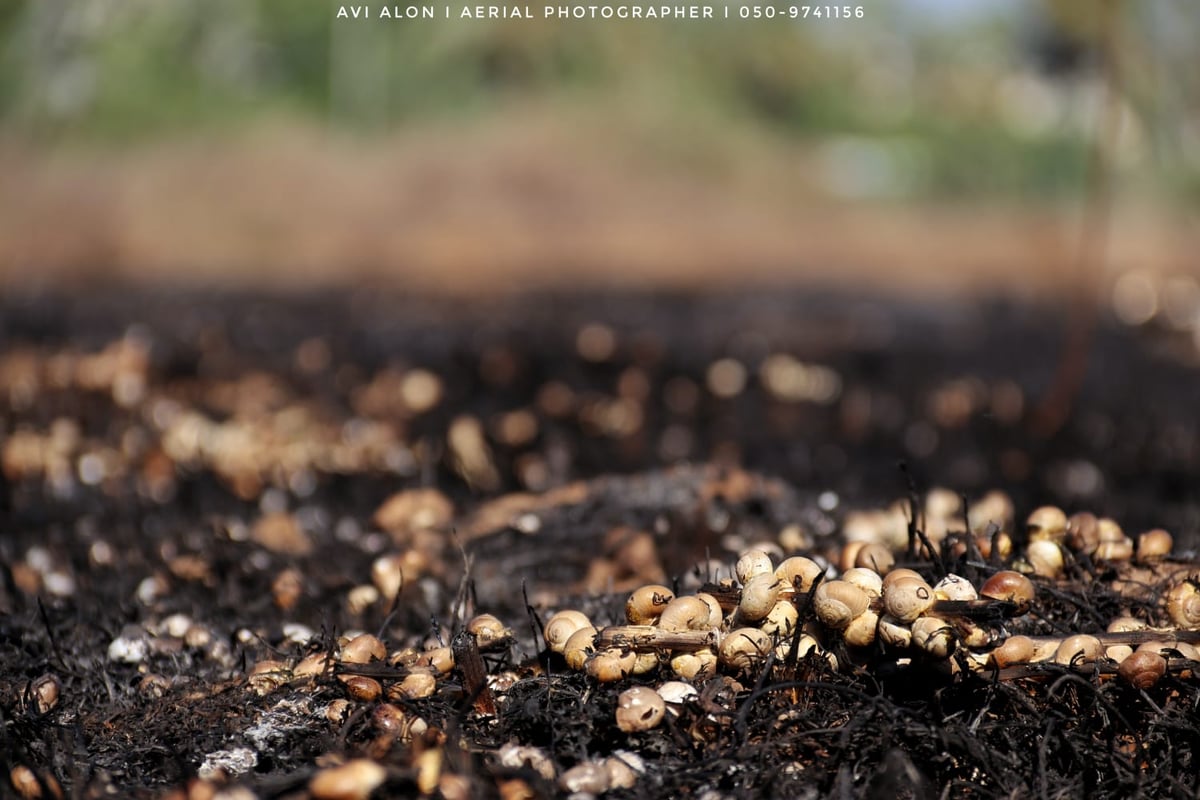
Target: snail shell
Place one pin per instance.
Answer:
(695, 666)
(580, 647)
(688, 613)
(799, 572)
(1120, 550)
(759, 596)
(1011, 586)
(866, 579)
(611, 665)
(1142, 668)
(752, 562)
(1014, 650)
(781, 622)
(1047, 522)
(744, 648)
(876, 557)
(1046, 557)
(646, 603)
(893, 632)
(907, 598)
(861, 630)
(837, 603)
(954, 587)
(934, 636)
(561, 626)
(1154, 545)
(1081, 648)
(1183, 605)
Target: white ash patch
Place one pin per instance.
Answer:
(228, 762)
(284, 717)
(132, 646)
(298, 634)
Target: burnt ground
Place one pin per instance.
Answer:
(114, 520)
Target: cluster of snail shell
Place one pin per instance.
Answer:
(695, 637)
(865, 603)
(416, 672)
(1052, 537)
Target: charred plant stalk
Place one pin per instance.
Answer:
(474, 673)
(647, 639)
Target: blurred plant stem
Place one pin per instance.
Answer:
(1055, 406)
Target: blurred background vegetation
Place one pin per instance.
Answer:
(1005, 103)
(916, 99)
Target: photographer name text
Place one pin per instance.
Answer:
(579, 11)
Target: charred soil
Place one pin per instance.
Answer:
(195, 483)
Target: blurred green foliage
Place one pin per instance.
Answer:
(984, 103)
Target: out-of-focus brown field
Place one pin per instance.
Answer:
(522, 204)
